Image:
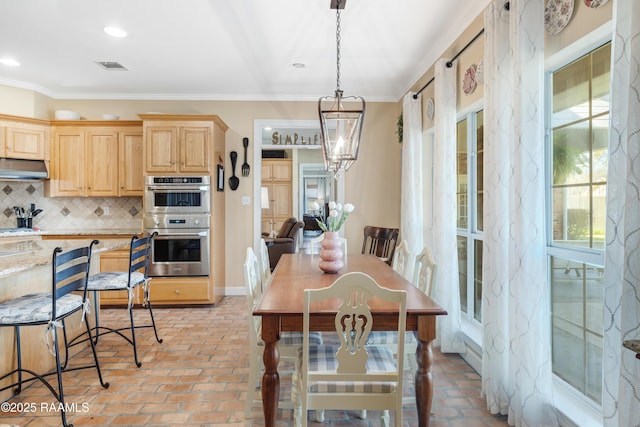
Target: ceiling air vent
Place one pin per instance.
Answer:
(110, 65)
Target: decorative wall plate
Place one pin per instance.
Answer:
(557, 14)
(429, 109)
(469, 82)
(595, 3)
(480, 72)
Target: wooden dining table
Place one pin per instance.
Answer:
(281, 309)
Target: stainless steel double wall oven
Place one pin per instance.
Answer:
(178, 208)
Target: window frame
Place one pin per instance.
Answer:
(571, 403)
(471, 327)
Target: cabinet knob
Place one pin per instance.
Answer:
(177, 291)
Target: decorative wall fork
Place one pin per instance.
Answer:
(245, 165)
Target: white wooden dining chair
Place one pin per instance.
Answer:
(403, 260)
(352, 375)
(424, 271)
(265, 268)
(289, 342)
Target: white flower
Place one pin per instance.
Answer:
(314, 206)
(337, 216)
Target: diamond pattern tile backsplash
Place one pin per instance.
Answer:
(62, 213)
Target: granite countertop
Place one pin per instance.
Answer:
(633, 345)
(19, 256)
(70, 232)
(92, 232)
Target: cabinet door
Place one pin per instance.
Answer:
(281, 171)
(161, 149)
(276, 170)
(102, 163)
(194, 149)
(67, 175)
(131, 165)
(27, 142)
(281, 200)
(266, 171)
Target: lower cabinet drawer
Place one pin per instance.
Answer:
(188, 290)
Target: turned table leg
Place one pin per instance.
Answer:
(270, 379)
(423, 379)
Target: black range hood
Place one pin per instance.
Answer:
(23, 169)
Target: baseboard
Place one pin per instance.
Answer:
(234, 290)
(473, 355)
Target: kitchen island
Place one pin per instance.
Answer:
(25, 267)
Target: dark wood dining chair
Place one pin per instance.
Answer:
(380, 241)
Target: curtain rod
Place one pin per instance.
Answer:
(450, 62)
(506, 6)
(415, 95)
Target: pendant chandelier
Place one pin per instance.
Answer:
(340, 127)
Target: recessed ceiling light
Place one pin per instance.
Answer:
(10, 62)
(298, 65)
(115, 31)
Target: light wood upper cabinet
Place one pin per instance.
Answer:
(178, 148)
(161, 143)
(131, 163)
(24, 138)
(194, 148)
(27, 143)
(95, 159)
(101, 163)
(66, 178)
(178, 144)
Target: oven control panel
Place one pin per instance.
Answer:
(168, 221)
(178, 180)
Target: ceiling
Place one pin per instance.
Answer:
(225, 50)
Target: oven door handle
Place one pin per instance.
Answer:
(180, 188)
(179, 235)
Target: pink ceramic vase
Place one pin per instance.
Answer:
(331, 256)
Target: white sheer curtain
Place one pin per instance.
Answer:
(516, 354)
(411, 198)
(621, 399)
(446, 291)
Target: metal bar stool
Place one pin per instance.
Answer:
(139, 253)
(70, 273)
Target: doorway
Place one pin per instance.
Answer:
(300, 139)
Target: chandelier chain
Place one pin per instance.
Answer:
(338, 38)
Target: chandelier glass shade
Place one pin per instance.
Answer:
(340, 129)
